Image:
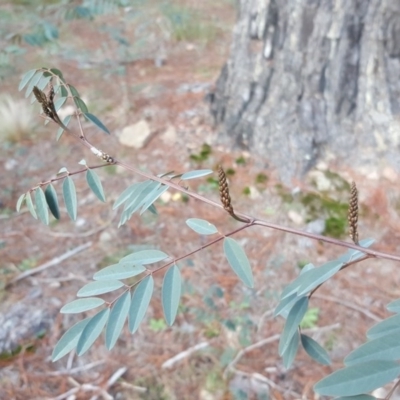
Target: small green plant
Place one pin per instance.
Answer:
(261, 178)
(310, 319)
(241, 161)
(157, 325)
(246, 191)
(129, 282)
(203, 155)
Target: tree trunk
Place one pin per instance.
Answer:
(313, 79)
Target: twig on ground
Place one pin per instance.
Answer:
(115, 376)
(184, 354)
(264, 379)
(55, 261)
(83, 234)
(72, 371)
(271, 339)
(349, 305)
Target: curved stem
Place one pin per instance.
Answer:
(248, 220)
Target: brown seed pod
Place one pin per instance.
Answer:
(224, 191)
(352, 215)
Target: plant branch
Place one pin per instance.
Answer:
(249, 221)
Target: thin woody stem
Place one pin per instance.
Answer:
(248, 220)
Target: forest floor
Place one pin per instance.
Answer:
(164, 89)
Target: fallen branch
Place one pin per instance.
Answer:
(51, 263)
(184, 354)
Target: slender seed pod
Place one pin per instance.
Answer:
(353, 213)
(224, 191)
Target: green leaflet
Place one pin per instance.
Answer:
(60, 130)
(171, 293)
(381, 348)
(201, 226)
(291, 350)
(196, 174)
(358, 379)
(293, 320)
(52, 202)
(117, 318)
(59, 103)
(69, 340)
(99, 287)
(41, 206)
(82, 106)
(92, 331)
(387, 326)
(30, 206)
(140, 302)
(144, 257)
(238, 261)
(122, 270)
(34, 81)
(95, 184)
(20, 201)
(314, 350)
(26, 78)
(152, 197)
(92, 118)
(81, 305)
(69, 194)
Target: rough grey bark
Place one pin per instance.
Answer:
(312, 79)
